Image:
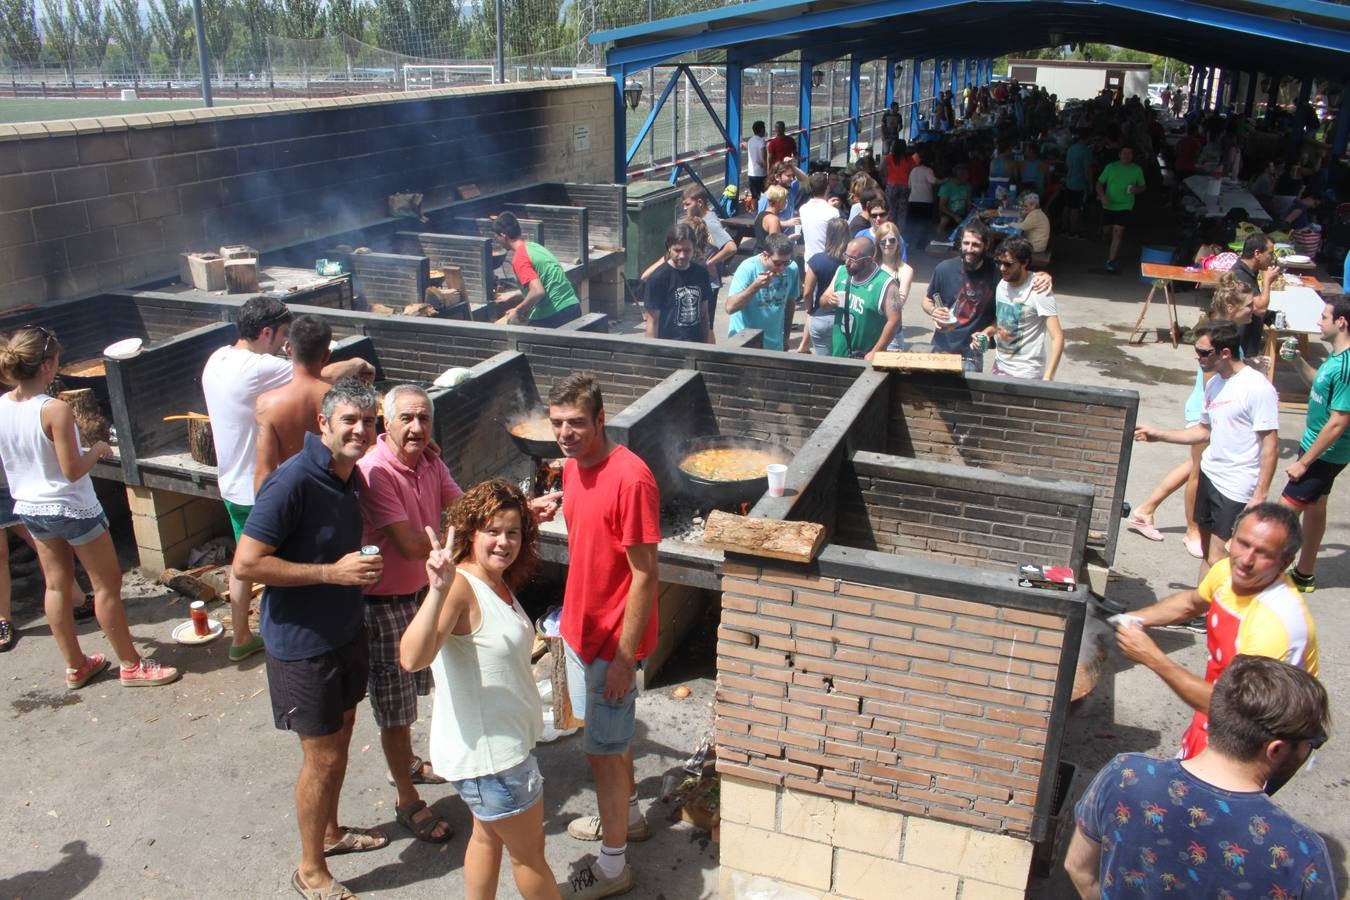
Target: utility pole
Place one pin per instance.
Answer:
(501, 44)
(201, 52)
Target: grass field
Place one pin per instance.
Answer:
(39, 110)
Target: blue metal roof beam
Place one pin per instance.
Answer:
(1255, 36)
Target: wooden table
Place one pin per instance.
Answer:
(1163, 276)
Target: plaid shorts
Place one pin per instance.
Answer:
(393, 690)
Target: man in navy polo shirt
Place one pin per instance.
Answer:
(303, 540)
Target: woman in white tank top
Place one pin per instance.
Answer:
(486, 716)
(48, 475)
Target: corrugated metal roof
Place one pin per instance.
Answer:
(1299, 38)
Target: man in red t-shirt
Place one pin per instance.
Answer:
(612, 509)
(780, 146)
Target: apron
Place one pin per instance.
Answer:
(1221, 637)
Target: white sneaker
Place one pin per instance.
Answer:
(591, 884)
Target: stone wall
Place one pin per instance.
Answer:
(89, 205)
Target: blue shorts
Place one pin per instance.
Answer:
(505, 794)
(74, 532)
(609, 726)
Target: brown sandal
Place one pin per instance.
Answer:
(424, 829)
(421, 773)
(356, 840)
(335, 891)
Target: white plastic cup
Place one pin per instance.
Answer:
(777, 478)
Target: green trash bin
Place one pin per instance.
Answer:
(653, 206)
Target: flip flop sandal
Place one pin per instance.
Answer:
(85, 610)
(1147, 529)
(418, 776)
(9, 636)
(424, 829)
(357, 840)
(334, 891)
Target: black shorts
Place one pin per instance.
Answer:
(1214, 512)
(1314, 485)
(561, 317)
(1122, 217)
(311, 696)
(757, 185)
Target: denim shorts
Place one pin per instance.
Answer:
(609, 726)
(505, 794)
(74, 532)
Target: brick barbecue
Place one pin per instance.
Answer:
(900, 683)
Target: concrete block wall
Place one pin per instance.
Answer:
(472, 255)
(167, 525)
(960, 514)
(929, 695)
(96, 204)
(1022, 428)
(389, 278)
(788, 844)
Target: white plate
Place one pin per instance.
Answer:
(1297, 259)
(184, 634)
(123, 349)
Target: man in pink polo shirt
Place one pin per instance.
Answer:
(406, 487)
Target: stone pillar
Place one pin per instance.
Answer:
(168, 525)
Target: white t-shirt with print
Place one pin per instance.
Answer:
(232, 380)
(754, 155)
(1019, 336)
(816, 215)
(1236, 409)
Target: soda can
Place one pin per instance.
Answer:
(981, 342)
(1288, 348)
(370, 550)
(1281, 320)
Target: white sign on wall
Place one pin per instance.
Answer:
(581, 137)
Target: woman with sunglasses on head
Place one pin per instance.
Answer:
(890, 254)
(486, 719)
(1232, 302)
(48, 475)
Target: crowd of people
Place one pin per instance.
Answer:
(367, 594)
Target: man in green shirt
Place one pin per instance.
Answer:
(546, 296)
(866, 302)
(1117, 186)
(1326, 445)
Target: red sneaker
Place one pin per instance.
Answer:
(148, 674)
(78, 678)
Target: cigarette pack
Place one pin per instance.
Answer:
(1051, 578)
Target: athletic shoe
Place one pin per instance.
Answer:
(1305, 583)
(1197, 625)
(1111, 267)
(148, 673)
(591, 884)
(78, 678)
(587, 828)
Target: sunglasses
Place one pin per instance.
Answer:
(50, 337)
(1205, 354)
(886, 242)
(779, 263)
(1316, 741)
(851, 258)
(1006, 263)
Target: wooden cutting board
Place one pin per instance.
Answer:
(918, 362)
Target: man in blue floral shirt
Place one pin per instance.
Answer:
(1205, 827)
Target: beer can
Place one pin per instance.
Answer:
(1288, 348)
(981, 342)
(1281, 320)
(370, 550)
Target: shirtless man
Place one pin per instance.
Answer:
(285, 414)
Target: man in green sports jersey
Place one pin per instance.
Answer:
(866, 301)
(546, 296)
(1326, 445)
